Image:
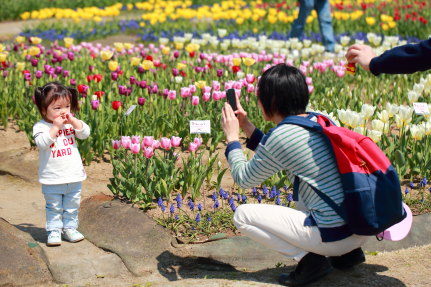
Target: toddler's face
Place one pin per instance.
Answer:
(60, 107)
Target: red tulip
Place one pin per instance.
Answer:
(116, 105)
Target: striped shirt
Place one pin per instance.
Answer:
(301, 153)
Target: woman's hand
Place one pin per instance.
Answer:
(360, 54)
(230, 123)
(244, 122)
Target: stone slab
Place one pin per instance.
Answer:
(22, 261)
(126, 231)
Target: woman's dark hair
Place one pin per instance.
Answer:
(282, 90)
(53, 91)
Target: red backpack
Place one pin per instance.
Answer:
(372, 191)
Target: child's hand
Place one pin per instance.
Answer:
(69, 118)
(73, 121)
(59, 121)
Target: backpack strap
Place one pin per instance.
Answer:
(307, 123)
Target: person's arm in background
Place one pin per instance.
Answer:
(404, 59)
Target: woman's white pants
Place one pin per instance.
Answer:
(282, 229)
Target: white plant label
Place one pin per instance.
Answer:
(130, 110)
(200, 127)
(421, 108)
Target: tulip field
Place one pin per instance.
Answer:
(139, 98)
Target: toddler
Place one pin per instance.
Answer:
(60, 166)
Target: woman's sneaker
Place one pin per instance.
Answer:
(72, 235)
(54, 238)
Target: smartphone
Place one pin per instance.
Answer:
(231, 98)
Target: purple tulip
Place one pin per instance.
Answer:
(143, 84)
(219, 73)
(71, 56)
(73, 82)
(5, 73)
(66, 73)
(175, 72)
(114, 76)
(141, 101)
(38, 74)
(34, 62)
(132, 80)
(58, 70)
(95, 104)
(141, 70)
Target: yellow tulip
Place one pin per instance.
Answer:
(248, 61)
(97, 19)
(113, 65)
(192, 47)
(147, 64)
(392, 24)
(239, 20)
(25, 15)
(166, 50)
(135, 61)
(20, 66)
(34, 51)
(68, 42)
(179, 45)
(236, 61)
(1, 48)
(20, 39)
(3, 57)
(106, 55)
(370, 21)
(35, 40)
(309, 19)
(385, 27)
(128, 46)
(200, 84)
(118, 46)
(141, 24)
(181, 66)
(272, 19)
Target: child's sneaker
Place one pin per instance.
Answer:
(72, 235)
(54, 238)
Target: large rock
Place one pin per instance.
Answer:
(126, 231)
(22, 261)
(240, 252)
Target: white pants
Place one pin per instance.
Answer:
(282, 229)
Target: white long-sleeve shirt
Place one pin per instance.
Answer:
(59, 158)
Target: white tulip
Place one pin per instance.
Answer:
(383, 116)
(377, 125)
(359, 130)
(413, 96)
(392, 109)
(367, 111)
(405, 113)
(376, 136)
(344, 40)
(417, 131)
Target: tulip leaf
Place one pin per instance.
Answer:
(399, 158)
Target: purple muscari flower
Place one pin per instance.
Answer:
(225, 195)
(285, 188)
(259, 198)
(172, 209)
(233, 207)
(216, 204)
(214, 196)
(231, 201)
(277, 200)
(208, 218)
(177, 217)
(160, 202)
(424, 181)
(265, 190)
(191, 204)
(238, 197)
(198, 217)
(272, 193)
(411, 185)
(72, 82)
(179, 200)
(200, 206)
(254, 191)
(221, 192)
(406, 191)
(244, 198)
(193, 228)
(430, 189)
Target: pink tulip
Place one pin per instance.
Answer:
(250, 88)
(309, 80)
(136, 139)
(216, 86)
(193, 147)
(303, 69)
(148, 152)
(175, 141)
(195, 100)
(38, 74)
(165, 143)
(237, 85)
(192, 89)
(156, 144)
(95, 104)
(198, 141)
(185, 92)
(148, 141)
(216, 95)
(126, 142)
(250, 78)
(116, 144)
(207, 89)
(206, 96)
(135, 148)
(141, 101)
(72, 82)
(310, 89)
(172, 94)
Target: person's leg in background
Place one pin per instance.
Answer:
(323, 9)
(305, 8)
